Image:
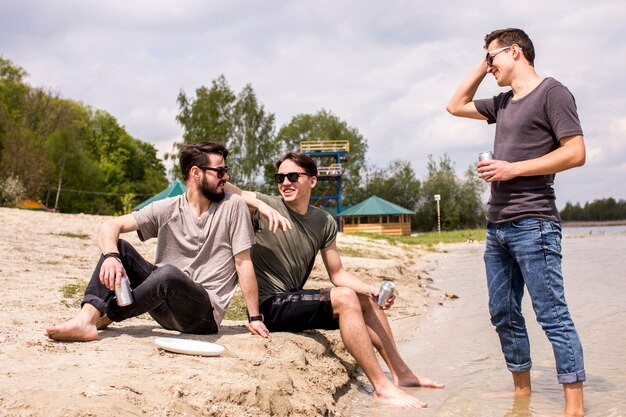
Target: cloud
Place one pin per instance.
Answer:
(386, 68)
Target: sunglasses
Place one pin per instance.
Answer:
(292, 177)
(221, 171)
(492, 54)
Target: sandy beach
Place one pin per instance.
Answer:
(124, 373)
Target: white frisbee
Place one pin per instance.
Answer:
(189, 347)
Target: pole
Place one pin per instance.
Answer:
(437, 199)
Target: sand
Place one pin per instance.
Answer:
(124, 373)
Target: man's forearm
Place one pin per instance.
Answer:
(248, 196)
(464, 95)
(248, 284)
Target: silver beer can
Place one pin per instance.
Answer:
(124, 293)
(387, 289)
(485, 156)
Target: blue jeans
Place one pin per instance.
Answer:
(528, 252)
(166, 293)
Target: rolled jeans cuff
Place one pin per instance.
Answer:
(97, 302)
(519, 368)
(572, 377)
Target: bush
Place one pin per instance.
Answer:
(12, 190)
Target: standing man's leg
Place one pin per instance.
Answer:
(544, 280)
(505, 284)
(382, 338)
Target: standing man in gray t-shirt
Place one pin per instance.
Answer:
(203, 249)
(537, 135)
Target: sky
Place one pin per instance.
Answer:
(386, 68)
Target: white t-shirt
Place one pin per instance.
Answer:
(202, 247)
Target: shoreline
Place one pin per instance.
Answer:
(594, 223)
(123, 372)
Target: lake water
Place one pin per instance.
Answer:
(458, 346)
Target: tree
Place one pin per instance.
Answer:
(460, 200)
(72, 151)
(321, 126)
(397, 184)
(241, 122)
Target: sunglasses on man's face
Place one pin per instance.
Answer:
(291, 176)
(221, 171)
(492, 54)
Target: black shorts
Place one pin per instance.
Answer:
(299, 310)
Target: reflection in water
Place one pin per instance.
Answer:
(457, 345)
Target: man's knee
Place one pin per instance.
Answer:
(168, 277)
(123, 246)
(343, 298)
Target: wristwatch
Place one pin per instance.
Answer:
(255, 318)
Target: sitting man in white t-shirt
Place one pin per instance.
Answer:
(203, 249)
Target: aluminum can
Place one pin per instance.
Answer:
(387, 289)
(124, 293)
(485, 156)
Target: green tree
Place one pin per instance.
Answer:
(322, 126)
(241, 122)
(397, 183)
(460, 205)
(252, 147)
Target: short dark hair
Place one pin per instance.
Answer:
(510, 36)
(306, 162)
(197, 154)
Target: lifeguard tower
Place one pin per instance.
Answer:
(330, 153)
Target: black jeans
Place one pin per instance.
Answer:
(166, 293)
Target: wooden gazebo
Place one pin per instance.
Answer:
(376, 215)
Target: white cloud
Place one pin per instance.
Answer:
(387, 68)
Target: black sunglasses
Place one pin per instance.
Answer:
(491, 55)
(221, 171)
(292, 177)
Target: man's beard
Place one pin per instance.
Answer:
(209, 192)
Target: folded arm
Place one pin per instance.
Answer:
(462, 102)
(112, 270)
(275, 219)
(342, 278)
(570, 154)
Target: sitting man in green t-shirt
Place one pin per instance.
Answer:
(283, 263)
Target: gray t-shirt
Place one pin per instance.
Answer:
(525, 129)
(202, 247)
(283, 260)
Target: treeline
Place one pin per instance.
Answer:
(217, 113)
(605, 209)
(49, 144)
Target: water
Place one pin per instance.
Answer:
(457, 345)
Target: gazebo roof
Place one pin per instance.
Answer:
(375, 206)
(173, 190)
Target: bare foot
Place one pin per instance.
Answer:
(76, 329)
(103, 322)
(398, 398)
(414, 380)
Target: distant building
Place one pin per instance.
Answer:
(376, 215)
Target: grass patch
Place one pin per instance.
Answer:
(360, 253)
(82, 236)
(73, 293)
(432, 238)
(237, 308)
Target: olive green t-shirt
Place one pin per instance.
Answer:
(283, 260)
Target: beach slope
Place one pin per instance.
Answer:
(46, 260)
